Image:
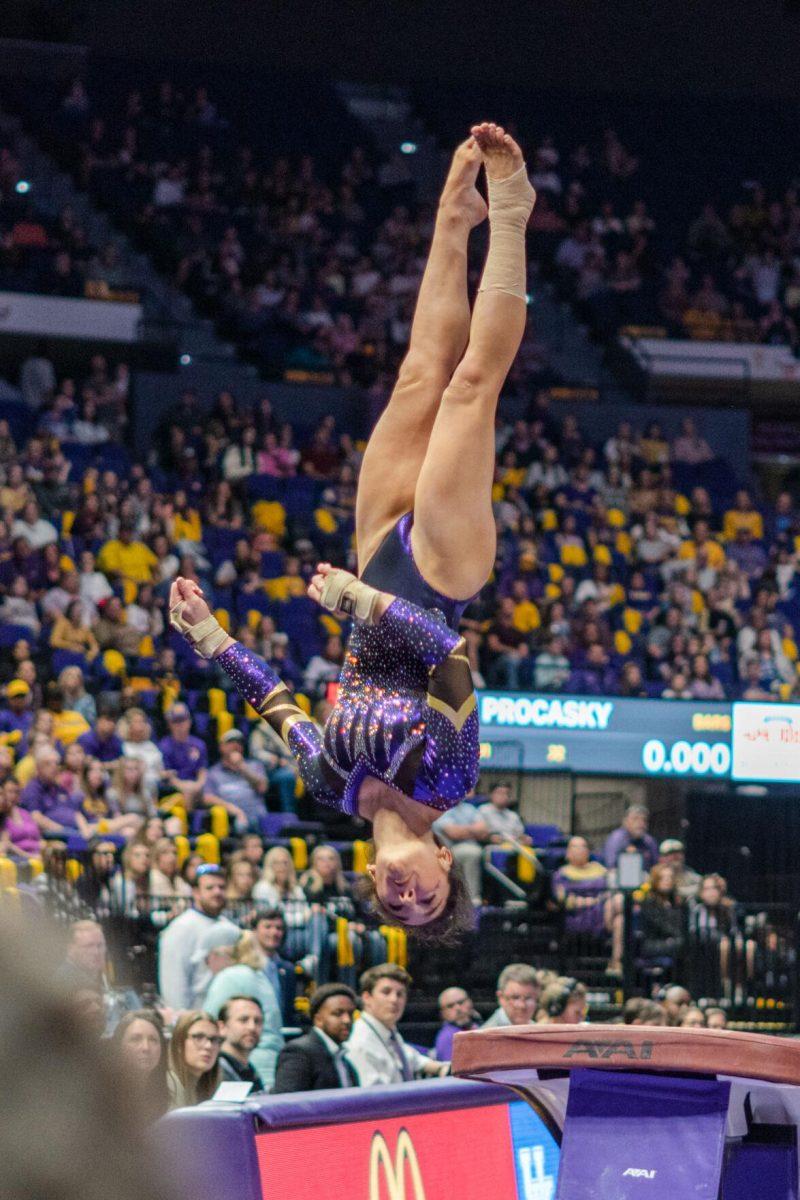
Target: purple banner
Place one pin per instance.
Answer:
(642, 1136)
(767, 1168)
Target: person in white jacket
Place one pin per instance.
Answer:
(182, 977)
(375, 1048)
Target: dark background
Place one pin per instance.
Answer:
(749, 47)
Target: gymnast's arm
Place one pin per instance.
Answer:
(262, 688)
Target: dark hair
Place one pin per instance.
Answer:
(556, 997)
(326, 992)
(222, 1015)
(369, 978)
(209, 1081)
(269, 914)
(448, 929)
(501, 783)
(156, 1092)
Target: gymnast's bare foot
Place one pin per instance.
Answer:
(460, 198)
(501, 154)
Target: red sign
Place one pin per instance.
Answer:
(463, 1154)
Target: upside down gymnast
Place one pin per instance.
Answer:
(401, 744)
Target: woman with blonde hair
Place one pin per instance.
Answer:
(100, 807)
(129, 791)
(326, 886)
(166, 883)
(194, 1074)
(246, 978)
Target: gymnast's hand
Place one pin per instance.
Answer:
(189, 593)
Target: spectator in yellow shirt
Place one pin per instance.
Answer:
(702, 544)
(742, 516)
(125, 558)
(526, 615)
(186, 524)
(68, 725)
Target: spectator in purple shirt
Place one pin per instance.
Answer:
(54, 809)
(185, 757)
(596, 677)
(458, 1014)
(102, 742)
(631, 836)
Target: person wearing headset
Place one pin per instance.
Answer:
(563, 1003)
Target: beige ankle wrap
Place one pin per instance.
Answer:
(511, 201)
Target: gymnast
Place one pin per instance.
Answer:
(401, 744)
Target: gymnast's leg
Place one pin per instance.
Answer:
(453, 536)
(439, 334)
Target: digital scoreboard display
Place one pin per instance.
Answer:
(605, 735)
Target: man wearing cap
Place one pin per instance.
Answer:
(185, 756)
(183, 973)
(16, 717)
(237, 783)
(672, 853)
(213, 954)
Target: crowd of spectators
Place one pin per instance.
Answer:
(52, 255)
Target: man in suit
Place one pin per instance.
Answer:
(318, 1059)
(270, 930)
(378, 1052)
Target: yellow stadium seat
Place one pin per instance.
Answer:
(785, 691)
(622, 643)
(220, 822)
(549, 520)
(253, 618)
(303, 702)
(8, 873)
(299, 853)
(250, 712)
(302, 1004)
(208, 846)
(624, 543)
(360, 856)
(129, 591)
(698, 602)
(325, 520)
(177, 809)
(555, 572)
(65, 563)
(217, 701)
(224, 618)
(498, 492)
(617, 595)
(616, 518)
(35, 866)
(632, 620)
(74, 869)
(344, 947)
(602, 555)
(67, 521)
(682, 505)
(330, 625)
(114, 662)
(146, 647)
(526, 869)
(170, 692)
(224, 723)
(183, 849)
(552, 591)
(790, 649)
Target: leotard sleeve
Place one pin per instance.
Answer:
(263, 689)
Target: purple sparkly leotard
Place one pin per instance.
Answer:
(406, 712)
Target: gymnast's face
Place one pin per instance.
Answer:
(412, 880)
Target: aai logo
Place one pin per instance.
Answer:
(639, 1173)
